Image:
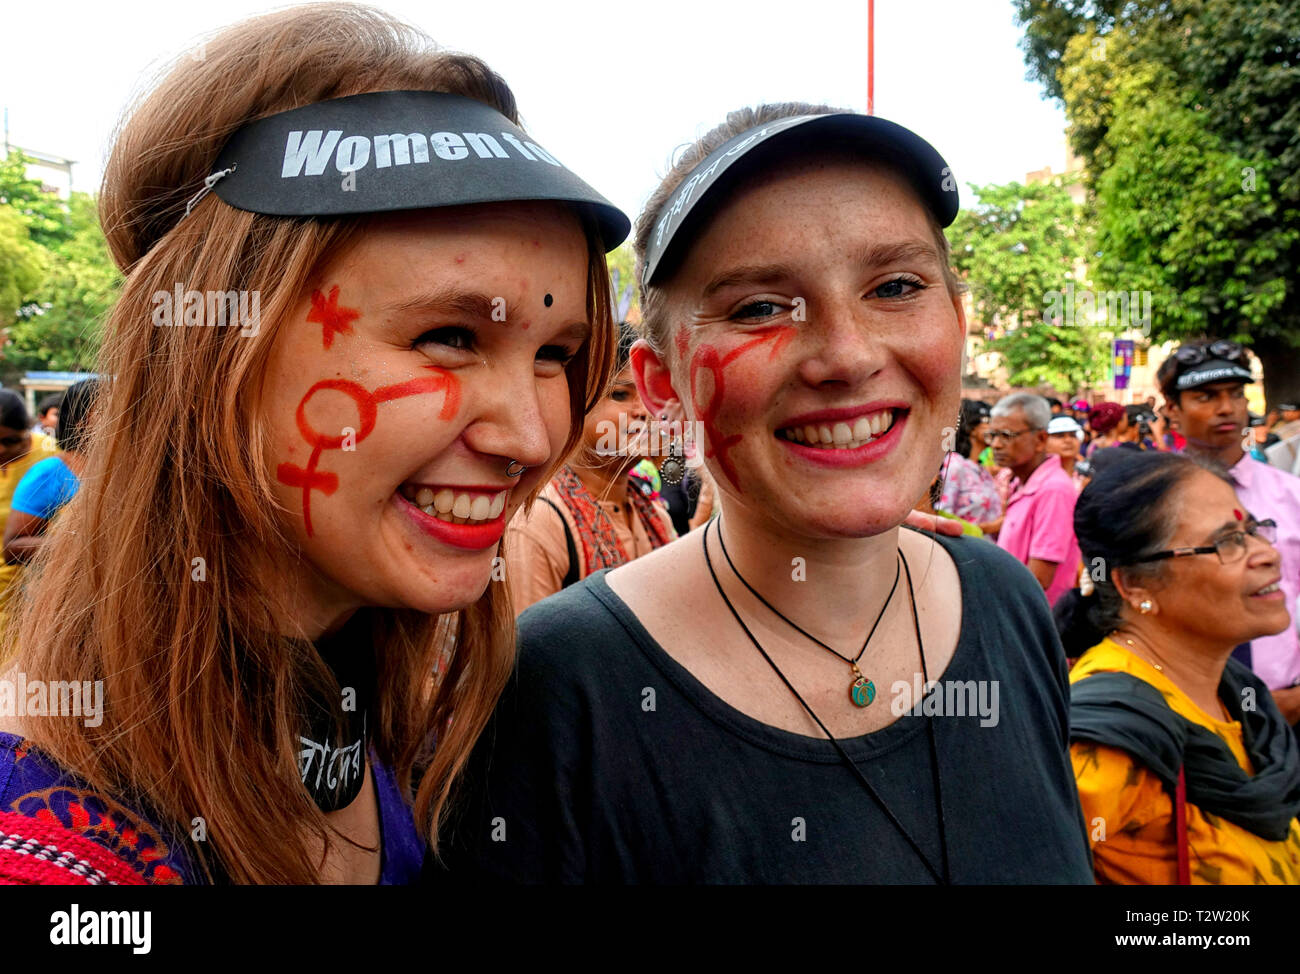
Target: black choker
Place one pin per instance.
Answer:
(334, 746)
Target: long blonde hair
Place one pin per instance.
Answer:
(201, 691)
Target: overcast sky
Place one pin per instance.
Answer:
(610, 88)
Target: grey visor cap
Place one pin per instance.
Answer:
(879, 139)
(397, 150)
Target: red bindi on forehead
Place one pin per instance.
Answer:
(1239, 516)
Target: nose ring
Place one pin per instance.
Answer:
(512, 472)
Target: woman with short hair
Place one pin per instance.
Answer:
(1187, 771)
(749, 704)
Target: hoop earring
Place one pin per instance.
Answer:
(512, 472)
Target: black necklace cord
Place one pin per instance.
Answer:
(929, 726)
(754, 592)
(941, 878)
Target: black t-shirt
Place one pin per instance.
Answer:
(576, 779)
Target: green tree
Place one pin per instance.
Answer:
(1187, 123)
(63, 328)
(22, 264)
(1016, 248)
(44, 213)
(622, 272)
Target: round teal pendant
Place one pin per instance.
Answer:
(862, 692)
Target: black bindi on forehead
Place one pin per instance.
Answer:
(548, 300)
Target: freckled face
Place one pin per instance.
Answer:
(406, 381)
(813, 308)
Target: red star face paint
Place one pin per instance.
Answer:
(327, 313)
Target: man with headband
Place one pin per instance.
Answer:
(1204, 385)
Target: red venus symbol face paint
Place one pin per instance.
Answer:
(309, 478)
(708, 360)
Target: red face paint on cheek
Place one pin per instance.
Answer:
(708, 361)
(367, 403)
(327, 313)
(683, 340)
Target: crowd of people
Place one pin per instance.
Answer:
(370, 594)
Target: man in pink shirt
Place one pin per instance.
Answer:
(1205, 391)
(1038, 526)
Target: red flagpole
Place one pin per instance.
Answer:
(871, 57)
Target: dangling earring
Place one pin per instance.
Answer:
(674, 466)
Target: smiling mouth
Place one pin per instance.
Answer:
(1268, 589)
(456, 506)
(841, 435)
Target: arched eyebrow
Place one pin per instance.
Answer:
(448, 300)
(749, 274)
(875, 255)
(872, 255)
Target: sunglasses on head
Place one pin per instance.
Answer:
(1224, 349)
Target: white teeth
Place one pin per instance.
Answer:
(454, 508)
(1267, 589)
(840, 436)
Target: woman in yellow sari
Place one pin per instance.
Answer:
(1187, 771)
(20, 450)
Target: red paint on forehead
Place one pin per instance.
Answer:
(1238, 514)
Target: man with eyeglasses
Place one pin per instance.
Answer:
(1038, 526)
(1204, 384)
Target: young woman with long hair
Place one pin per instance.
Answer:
(254, 572)
(803, 692)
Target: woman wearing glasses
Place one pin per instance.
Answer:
(1186, 769)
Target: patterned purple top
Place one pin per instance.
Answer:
(969, 491)
(31, 785)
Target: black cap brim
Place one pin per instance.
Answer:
(879, 139)
(386, 151)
